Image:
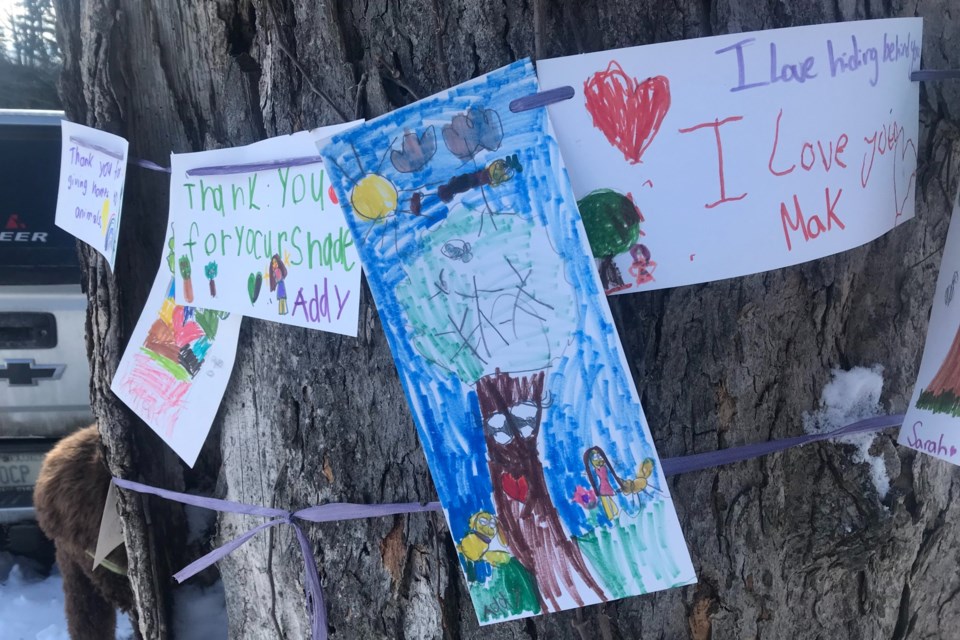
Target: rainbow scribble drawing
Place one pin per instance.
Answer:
(483, 278)
(159, 376)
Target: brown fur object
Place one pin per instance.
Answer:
(69, 498)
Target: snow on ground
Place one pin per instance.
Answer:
(200, 613)
(31, 608)
(850, 396)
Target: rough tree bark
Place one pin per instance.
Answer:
(794, 545)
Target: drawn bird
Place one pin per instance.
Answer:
(475, 546)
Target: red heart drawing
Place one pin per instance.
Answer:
(515, 488)
(628, 112)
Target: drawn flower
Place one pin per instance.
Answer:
(586, 498)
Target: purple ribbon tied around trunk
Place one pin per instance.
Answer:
(322, 513)
(350, 511)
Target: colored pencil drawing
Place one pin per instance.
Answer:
(488, 295)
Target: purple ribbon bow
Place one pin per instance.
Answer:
(322, 513)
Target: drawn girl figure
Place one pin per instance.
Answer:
(643, 267)
(602, 477)
(278, 272)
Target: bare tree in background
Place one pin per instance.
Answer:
(795, 545)
(29, 57)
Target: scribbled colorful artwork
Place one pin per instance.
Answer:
(93, 169)
(271, 241)
(744, 152)
(177, 364)
(932, 423)
(479, 264)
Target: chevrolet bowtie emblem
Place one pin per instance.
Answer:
(26, 372)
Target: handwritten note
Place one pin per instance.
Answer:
(718, 157)
(932, 423)
(177, 364)
(262, 234)
(93, 168)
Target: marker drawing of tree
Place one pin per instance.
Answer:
(498, 321)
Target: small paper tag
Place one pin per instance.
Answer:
(111, 532)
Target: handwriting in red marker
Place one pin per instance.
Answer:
(715, 125)
(691, 256)
(628, 112)
(332, 195)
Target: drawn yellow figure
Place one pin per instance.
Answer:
(374, 197)
(485, 541)
(641, 482)
(104, 216)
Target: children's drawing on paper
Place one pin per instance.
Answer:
(269, 237)
(628, 112)
(767, 149)
(159, 374)
(942, 394)
(613, 225)
(932, 422)
(489, 298)
(93, 167)
(277, 271)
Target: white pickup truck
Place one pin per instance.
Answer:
(44, 375)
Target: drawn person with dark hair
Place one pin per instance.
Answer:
(278, 272)
(602, 477)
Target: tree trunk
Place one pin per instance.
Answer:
(312, 417)
(526, 514)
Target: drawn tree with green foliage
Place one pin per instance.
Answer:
(185, 272)
(210, 271)
(612, 222)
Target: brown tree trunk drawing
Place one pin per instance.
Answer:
(948, 375)
(525, 510)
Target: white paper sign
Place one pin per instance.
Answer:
(93, 167)
(932, 423)
(705, 159)
(266, 241)
(177, 364)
